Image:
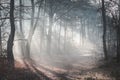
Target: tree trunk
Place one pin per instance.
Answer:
(49, 37)
(118, 44)
(118, 37)
(33, 27)
(104, 30)
(22, 42)
(65, 35)
(30, 32)
(20, 15)
(59, 38)
(0, 35)
(10, 55)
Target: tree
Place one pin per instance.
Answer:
(0, 35)
(118, 35)
(10, 55)
(31, 30)
(104, 30)
(33, 26)
(51, 14)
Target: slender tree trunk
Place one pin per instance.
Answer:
(42, 31)
(49, 40)
(10, 55)
(65, 35)
(118, 36)
(72, 33)
(0, 35)
(59, 38)
(30, 32)
(22, 42)
(49, 37)
(118, 44)
(20, 15)
(0, 43)
(104, 31)
(82, 32)
(33, 27)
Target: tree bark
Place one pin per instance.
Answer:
(118, 36)
(10, 55)
(0, 35)
(104, 30)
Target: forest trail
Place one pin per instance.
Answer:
(79, 66)
(75, 71)
(75, 62)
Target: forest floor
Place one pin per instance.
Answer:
(30, 71)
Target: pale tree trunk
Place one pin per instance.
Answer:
(29, 39)
(49, 36)
(82, 32)
(20, 16)
(72, 33)
(42, 31)
(33, 27)
(59, 38)
(22, 37)
(65, 35)
(42, 35)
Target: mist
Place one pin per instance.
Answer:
(59, 40)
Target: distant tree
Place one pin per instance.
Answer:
(31, 30)
(33, 25)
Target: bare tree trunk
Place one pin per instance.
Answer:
(49, 37)
(0, 42)
(0, 35)
(118, 44)
(104, 30)
(30, 32)
(33, 27)
(22, 37)
(10, 55)
(82, 32)
(20, 15)
(72, 33)
(42, 31)
(59, 38)
(65, 35)
(118, 37)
